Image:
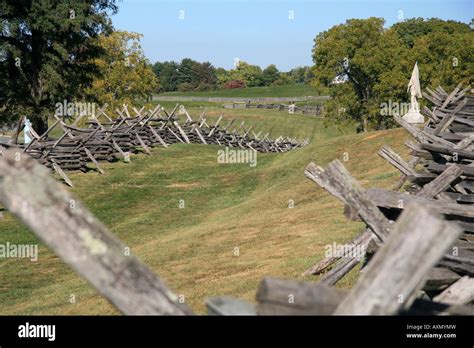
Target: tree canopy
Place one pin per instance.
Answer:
(377, 63)
(187, 75)
(46, 53)
(190, 75)
(411, 29)
(125, 73)
(270, 74)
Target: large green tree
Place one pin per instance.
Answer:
(207, 77)
(188, 72)
(443, 50)
(167, 73)
(126, 74)
(250, 75)
(47, 52)
(270, 74)
(186, 76)
(377, 63)
(301, 74)
(411, 29)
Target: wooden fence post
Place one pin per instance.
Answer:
(74, 234)
(416, 244)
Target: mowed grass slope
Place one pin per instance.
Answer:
(228, 207)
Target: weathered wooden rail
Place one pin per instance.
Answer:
(420, 239)
(440, 179)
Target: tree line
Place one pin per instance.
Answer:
(190, 75)
(55, 51)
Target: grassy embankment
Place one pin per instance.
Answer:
(226, 207)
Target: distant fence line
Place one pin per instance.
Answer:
(315, 110)
(225, 100)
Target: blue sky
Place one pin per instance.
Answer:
(259, 31)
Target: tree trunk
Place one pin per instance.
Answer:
(39, 124)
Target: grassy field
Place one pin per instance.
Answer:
(226, 207)
(255, 92)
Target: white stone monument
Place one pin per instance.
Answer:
(413, 115)
(27, 131)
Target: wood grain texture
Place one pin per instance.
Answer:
(86, 245)
(417, 243)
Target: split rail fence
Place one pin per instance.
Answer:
(418, 247)
(441, 178)
(109, 138)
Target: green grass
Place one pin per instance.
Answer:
(255, 92)
(226, 207)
